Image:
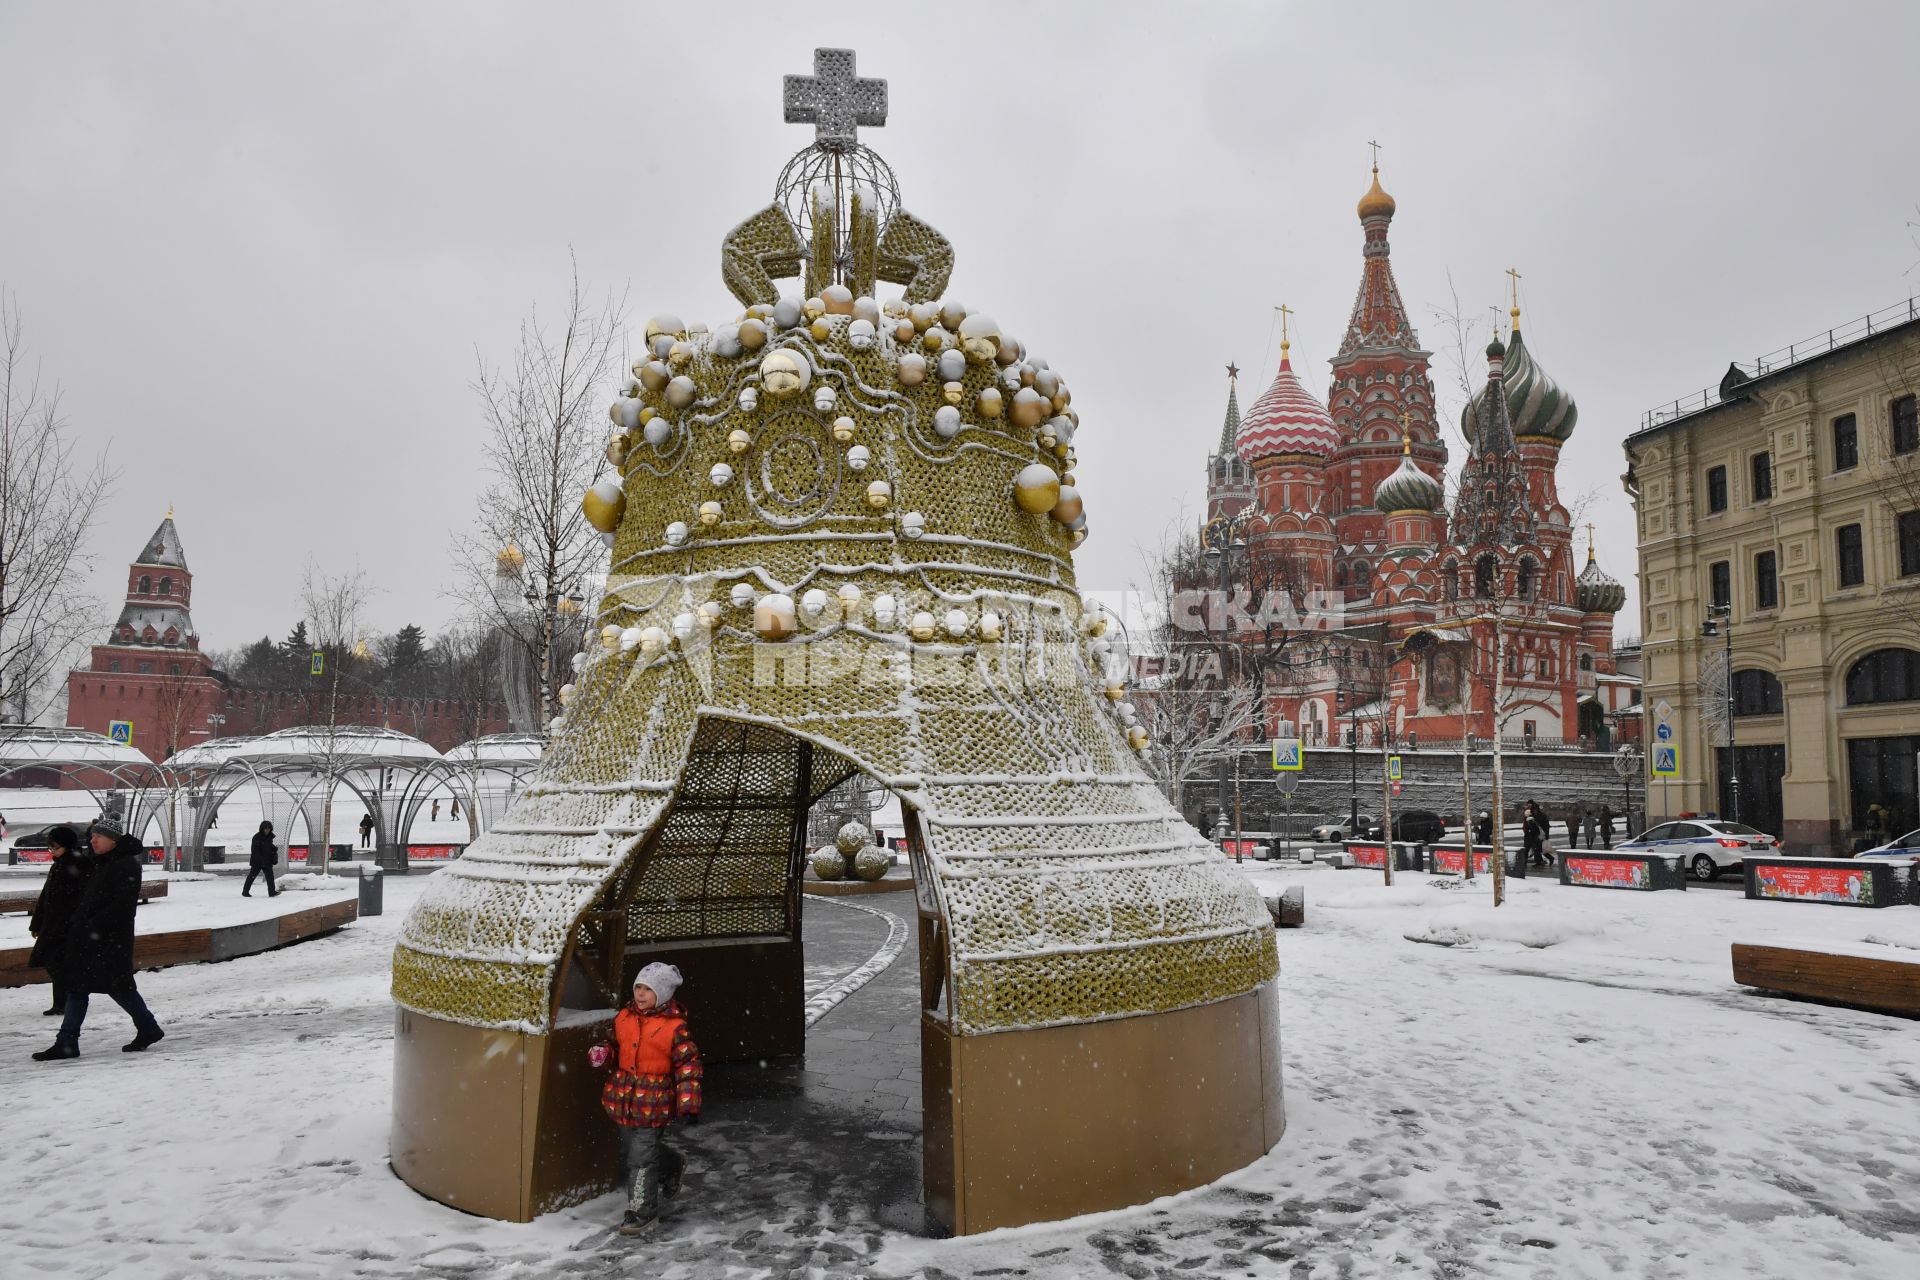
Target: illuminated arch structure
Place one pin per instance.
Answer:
(843, 542)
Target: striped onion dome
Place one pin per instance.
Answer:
(1286, 419)
(1408, 489)
(1596, 591)
(1535, 403)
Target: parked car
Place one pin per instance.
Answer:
(1707, 846)
(1339, 827)
(1904, 849)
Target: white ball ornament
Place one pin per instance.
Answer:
(885, 610)
(653, 641)
(786, 313)
(720, 476)
(865, 308)
(858, 457)
(860, 334)
(677, 533)
(814, 602)
(952, 365)
(683, 625)
(579, 663)
(749, 399)
(743, 595)
(610, 636)
(726, 341)
(990, 625)
(657, 433)
(630, 639)
(824, 399)
(625, 414)
(913, 369)
(681, 392)
(921, 626)
(849, 595)
(955, 622)
(946, 422)
(708, 615)
(912, 525)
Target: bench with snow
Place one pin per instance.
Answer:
(1289, 909)
(19, 902)
(1843, 882)
(1373, 853)
(1451, 859)
(1860, 975)
(1648, 871)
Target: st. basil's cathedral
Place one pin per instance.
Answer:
(1350, 500)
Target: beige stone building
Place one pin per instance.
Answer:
(1790, 493)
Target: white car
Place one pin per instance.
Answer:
(1706, 846)
(1905, 849)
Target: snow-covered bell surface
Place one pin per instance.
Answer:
(1571, 1087)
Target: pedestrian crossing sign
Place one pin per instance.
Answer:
(120, 731)
(1393, 768)
(1666, 761)
(319, 664)
(1287, 755)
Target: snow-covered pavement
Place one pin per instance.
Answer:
(1571, 1087)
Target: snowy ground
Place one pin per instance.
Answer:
(200, 901)
(1572, 1088)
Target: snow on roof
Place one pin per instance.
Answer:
(501, 748)
(37, 744)
(163, 548)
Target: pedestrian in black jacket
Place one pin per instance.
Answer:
(265, 854)
(53, 910)
(100, 943)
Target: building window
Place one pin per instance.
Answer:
(1756, 693)
(166, 586)
(1905, 413)
(1846, 443)
(1762, 484)
(1720, 583)
(1716, 488)
(113, 664)
(1766, 581)
(146, 584)
(1909, 543)
(1483, 577)
(1885, 675)
(146, 668)
(1360, 576)
(1853, 564)
(1524, 587)
(1340, 575)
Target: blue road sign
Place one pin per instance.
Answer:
(1663, 731)
(1287, 755)
(1666, 761)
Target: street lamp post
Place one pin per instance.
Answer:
(1721, 616)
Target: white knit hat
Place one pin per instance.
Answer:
(663, 978)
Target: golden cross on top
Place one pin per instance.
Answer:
(1376, 153)
(1285, 311)
(1496, 319)
(1406, 432)
(1513, 281)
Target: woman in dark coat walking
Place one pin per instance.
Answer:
(53, 910)
(265, 854)
(100, 943)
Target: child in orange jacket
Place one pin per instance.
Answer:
(656, 1077)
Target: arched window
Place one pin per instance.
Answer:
(1524, 587)
(1361, 576)
(1586, 662)
(1483, 571)
(166, 586)
(1450, 581)
(1340, 575)
(146, 584)
(1885, 675)
(1756, 693)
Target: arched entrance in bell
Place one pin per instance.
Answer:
(1018, 1125)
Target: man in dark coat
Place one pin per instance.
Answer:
(100, 942)
(366, 829)
(53, 910)
(265, 853)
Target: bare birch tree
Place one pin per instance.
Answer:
(334, 608)
(545, 445)
(47, 500)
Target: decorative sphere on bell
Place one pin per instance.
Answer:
(710, 513)
(720, 476)
(677, 534)
(843, 429)
(773, 617)
(912, 525)
(785, 372)
(1036, 488)
(946, 422)
(879, 494)
(858, 457)
(742, 595)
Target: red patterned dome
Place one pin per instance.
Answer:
(1286, 419)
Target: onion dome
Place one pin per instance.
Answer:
(1595, 590)
(509, 559)
(1286, 419)
(1536, 406)
(1408, 488)
(1376, 203)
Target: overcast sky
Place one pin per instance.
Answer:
(259, 245)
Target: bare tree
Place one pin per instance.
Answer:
(333, 611)
(466, 658)
(47, 497)
(545, 446)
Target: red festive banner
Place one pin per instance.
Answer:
(1815, 884)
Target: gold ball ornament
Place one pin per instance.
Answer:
(610, 636)
(954, 392)
(912, 370)
(1029, 409)
(774, 617)
(980, 338)
(849, 594)
(923, 315)
(617, 450)
(668, 325)
(785, 372)
(753, 334)
(903, 331)
(679, 354)
(710, 513)
(934, 339)
(838, 299)
(1115, 690)
(1068, 509)
(655, 375)
(921, 626)
(1037, 488)
(952, 313)
(1137, 738)
(843, 429)
(990, 404)
(605, 505)
(709, 615)
(813, 308)
(738, 440)
(879, 494)
(1047, 383)
(1010, 353)
(820, 330)
(681, 392)
(990, 625)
